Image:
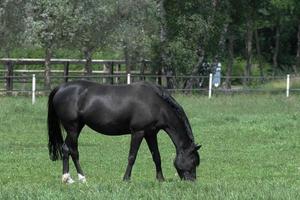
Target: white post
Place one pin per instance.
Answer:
(128, 79)
(33, 88)
(288, 85)
(210, 85)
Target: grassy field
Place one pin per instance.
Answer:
(251, 148)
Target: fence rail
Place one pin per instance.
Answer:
(31, 81)
(40, 61)
(283, 84)
(107, 68)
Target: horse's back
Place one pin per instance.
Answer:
(107, 108)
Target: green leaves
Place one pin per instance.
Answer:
(52, 22)
(132, 28)
(12, 24)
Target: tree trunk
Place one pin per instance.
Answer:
(258, 51)
(222, 41)
(188, 85)
(249, 40)
(298, 50)
(159, 77)
(231, 60)
(7, 52)
(276, 48)
(170, 73)
(88, 64)
(48, 55)
(163, 39)
(142, 70)
(127, 58)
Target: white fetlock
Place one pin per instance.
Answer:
(66, 178)
(81, 178)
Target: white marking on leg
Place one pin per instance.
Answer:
(81, 178)
(66, 178)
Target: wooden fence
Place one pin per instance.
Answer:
(110, 68)
(17, 78)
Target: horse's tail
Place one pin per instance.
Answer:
(54, 131)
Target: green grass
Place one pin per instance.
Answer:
(280, 84)
(251, 148)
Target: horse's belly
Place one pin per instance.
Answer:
(110, 129)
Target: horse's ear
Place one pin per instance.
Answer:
(198, 147)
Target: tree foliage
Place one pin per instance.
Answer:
(12, 25)
(171, 33)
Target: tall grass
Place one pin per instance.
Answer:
(251, 148)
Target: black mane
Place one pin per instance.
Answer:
(175, 106)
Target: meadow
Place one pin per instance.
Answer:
(250, 150)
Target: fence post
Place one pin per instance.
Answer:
(128, 79)
(111, 71)
(106, 71)
(118, 69)
(210, 85)
(287, 85)
(66, 71)
(9, 77)
(142, 70)
(33, 88)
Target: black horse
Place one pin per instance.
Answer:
(139, 109)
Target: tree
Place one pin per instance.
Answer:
(281, 15)
(249, 15)
(187, 34)
(52, 23)
(162, 59)
(12, 25)
(244, 22)
(296, 12)
(136, 28)
(233, 21)
(298, 47)
(176, 35)
(94, 22)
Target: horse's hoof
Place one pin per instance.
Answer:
(70, 181)
(126, 179)
(161, 179)
(66, 178)
(81, 178)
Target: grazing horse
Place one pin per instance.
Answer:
(139, 109)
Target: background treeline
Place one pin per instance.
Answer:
(249, 37)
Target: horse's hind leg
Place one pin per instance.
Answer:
(136, 139)
(66, 178)
(151, 140)
(71, 148)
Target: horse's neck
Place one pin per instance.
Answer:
(179, 136)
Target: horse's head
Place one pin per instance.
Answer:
(186, 163)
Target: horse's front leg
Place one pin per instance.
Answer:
(136, 139)
(153, 147)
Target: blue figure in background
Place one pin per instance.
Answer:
(217, 74)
